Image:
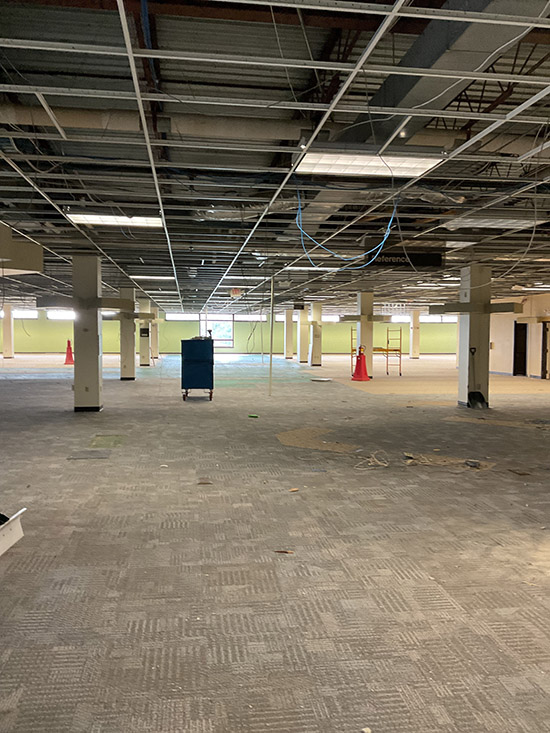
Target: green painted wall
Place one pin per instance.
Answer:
(43, 336)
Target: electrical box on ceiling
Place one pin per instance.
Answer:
(19, 257)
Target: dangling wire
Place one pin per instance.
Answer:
(377, 248)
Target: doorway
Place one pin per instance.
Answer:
(520, 350)
(545, 365)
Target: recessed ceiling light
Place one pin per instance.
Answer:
(109, 220)
(362, 164)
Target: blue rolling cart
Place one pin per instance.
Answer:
(197, 365)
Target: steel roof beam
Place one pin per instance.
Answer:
(345, 6)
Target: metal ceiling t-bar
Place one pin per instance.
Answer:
(135, 79)
(384, 26)
(267, 61)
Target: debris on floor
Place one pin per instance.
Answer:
(253, 416)
(321, 379)
(519, 472)
(284, 552)
(292, 490)
(378, 459)
(422, 460)
(204, 482)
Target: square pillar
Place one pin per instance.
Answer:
(155, 333)
(414, 337)
(473, 339)
(8, 349)
(365, 326)
(127, 339)
(289, 334)
(303, 336)
(88, 377)
(144, 334)
(315, 335)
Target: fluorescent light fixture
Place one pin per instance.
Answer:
(449, 319)
(152, 277)
(61, 315)
(430, 319)
(108, 220)
(400, 319)
(330, 319)
(108, 314)
(492, 223)
(363, 164)
(309, 268)
(456, 244)
(22, 314)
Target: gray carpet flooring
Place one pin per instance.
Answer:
(170, 581)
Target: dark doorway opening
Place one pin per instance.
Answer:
(545, 365)
(520, 350)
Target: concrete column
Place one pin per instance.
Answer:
(315, 335)
(303, 336)
(88, 378)
(474, 334)
(414, 337)
(289, 334)
(365, 326)
(127, 339)
(144, 334)
(155, 333)
(8, 350)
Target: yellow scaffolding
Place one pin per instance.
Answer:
(394, 348)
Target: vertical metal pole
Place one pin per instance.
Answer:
(272, 324)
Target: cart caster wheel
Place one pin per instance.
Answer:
(184, 396)
(211, 395)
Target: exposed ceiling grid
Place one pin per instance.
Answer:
(200, 112)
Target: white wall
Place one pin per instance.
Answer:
(501, 355)
(502, 335)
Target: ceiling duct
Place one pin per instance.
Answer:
(243, 213)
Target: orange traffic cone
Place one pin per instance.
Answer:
(69, 355)
(360, 373)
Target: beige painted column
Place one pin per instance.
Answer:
(127, 339)
(8, 349)
(289, 334)
(474, 333)
(315, 335)
(88, 377)
(155, 333)
(303, 336)
(144, 334)
(365, 326)
(414, 335)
